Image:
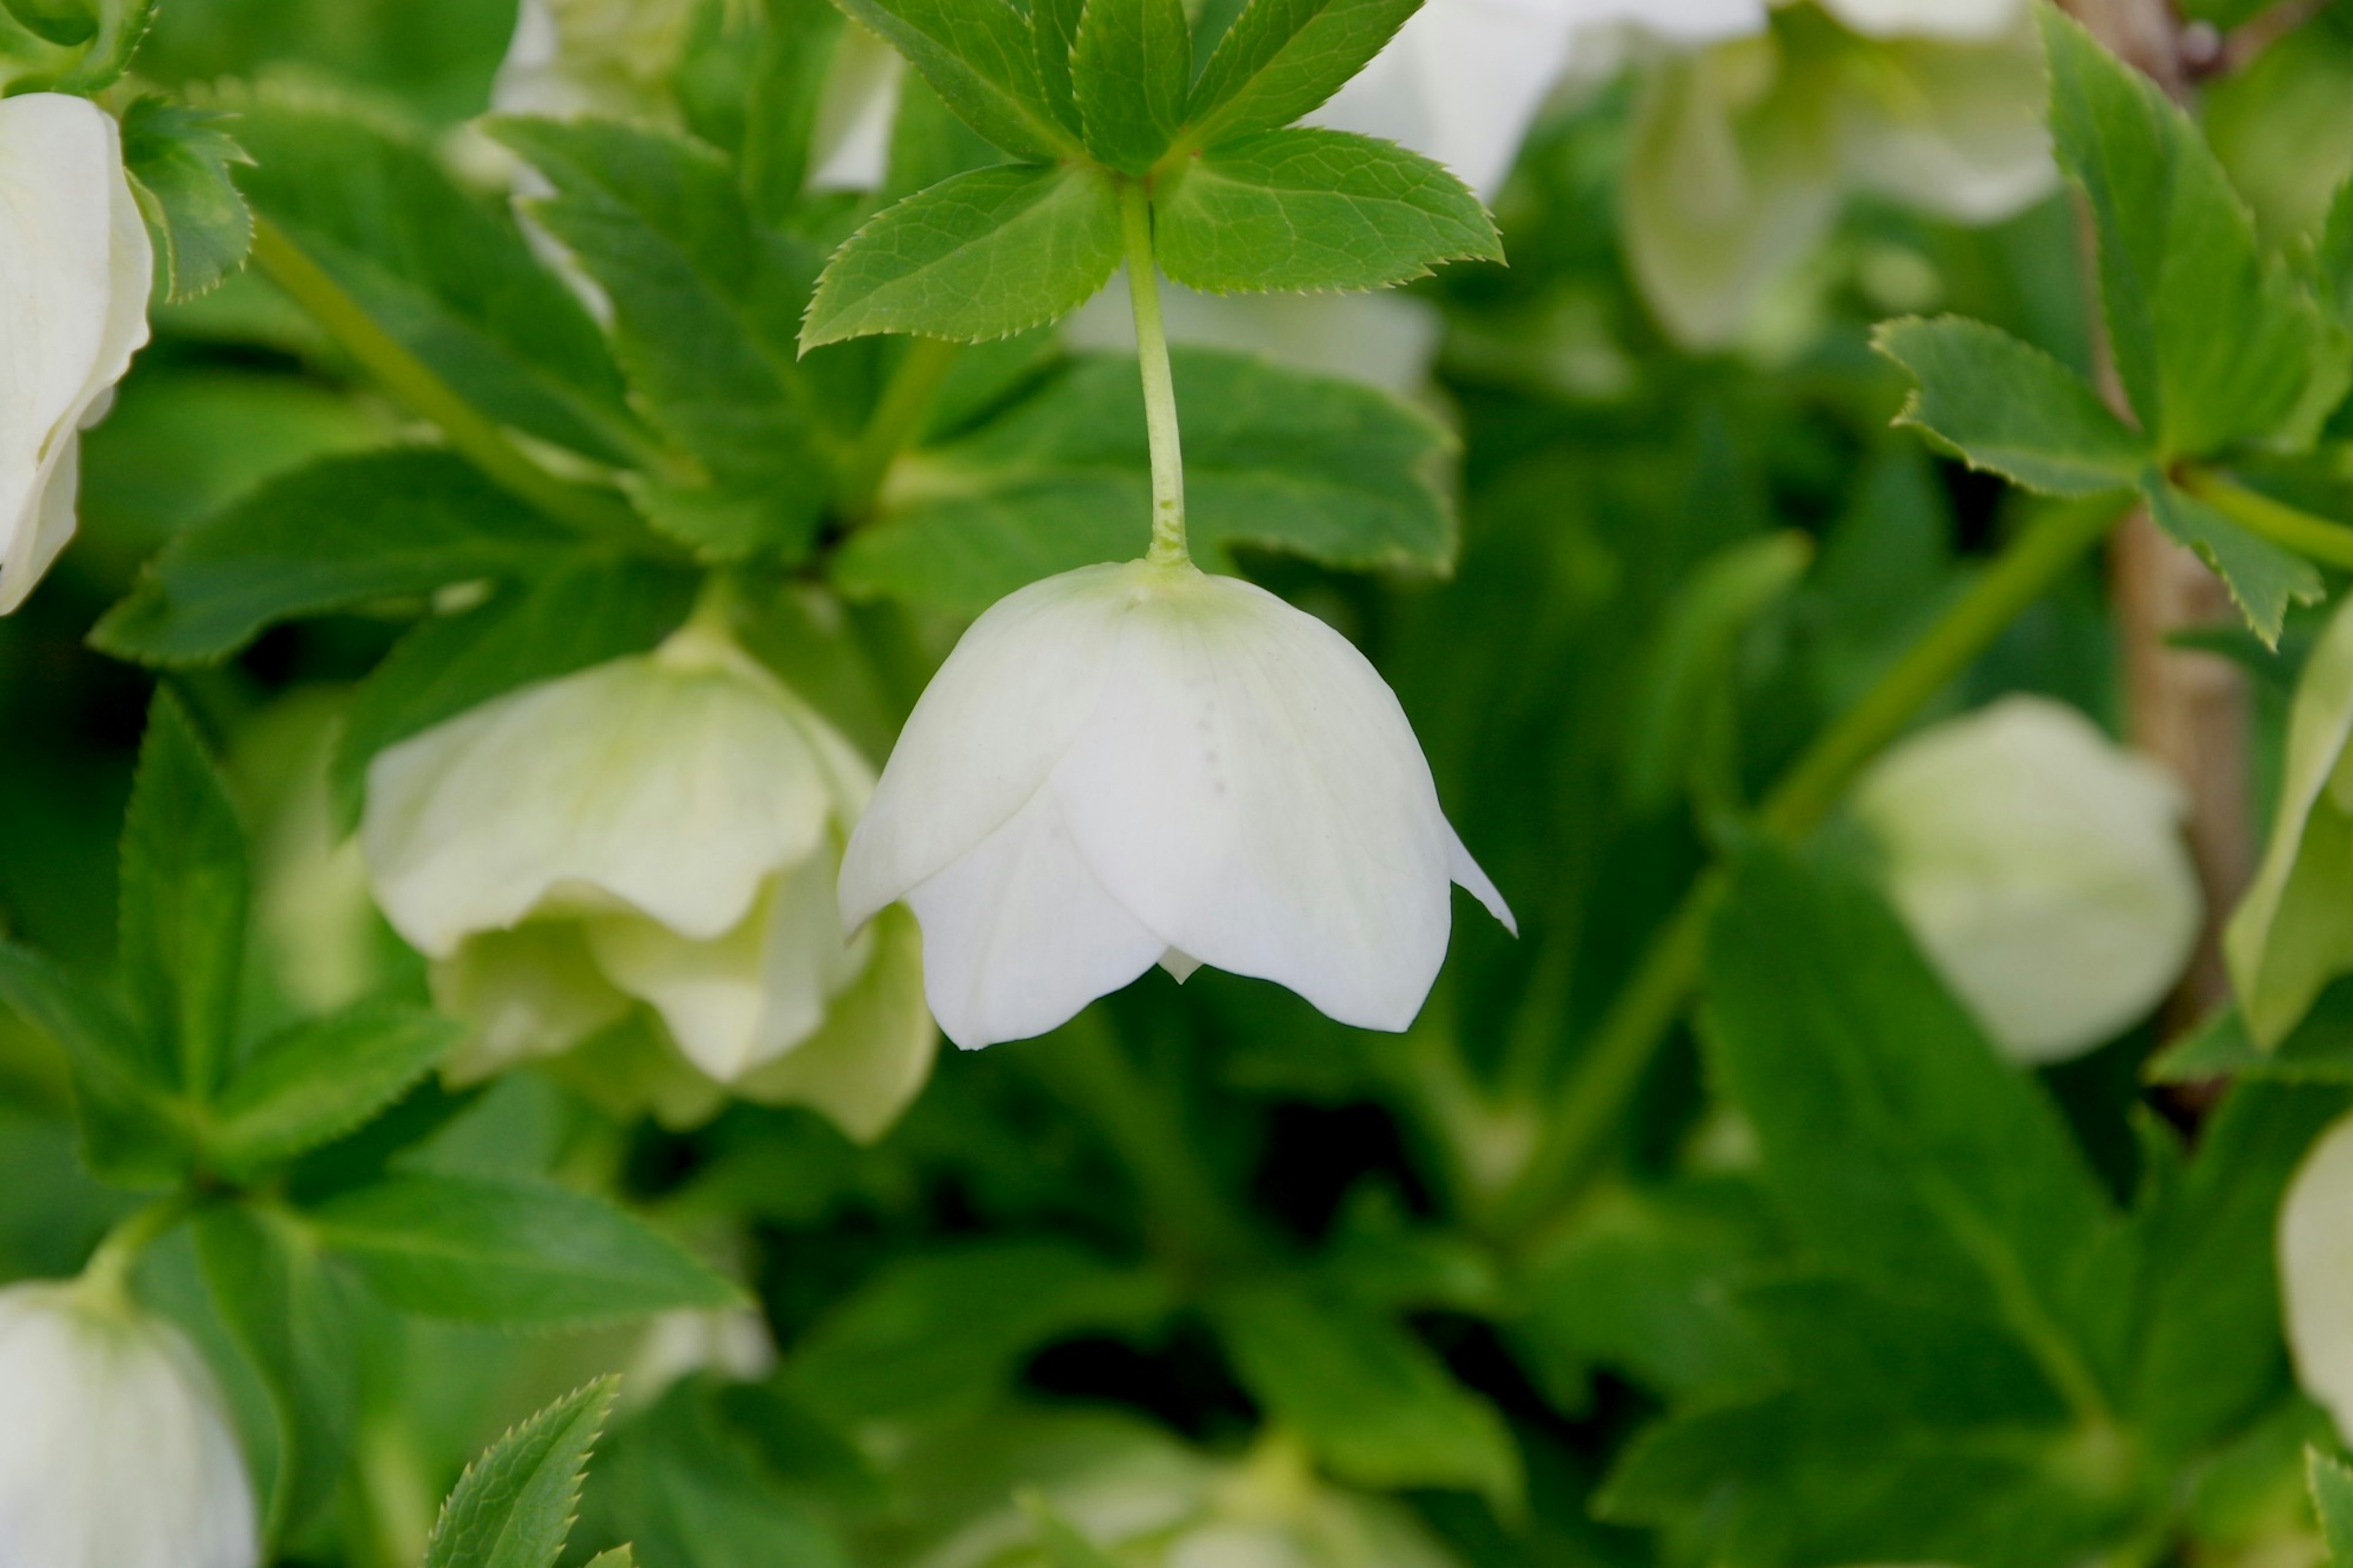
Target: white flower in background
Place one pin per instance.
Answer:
(115, 1448)
(732, 1342)
(1137, 764)
(2316, 1264)
(662, 830)
(1976, 21)
(2042, 870)
(75, 267)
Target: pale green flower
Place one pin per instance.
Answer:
(2316, 1264)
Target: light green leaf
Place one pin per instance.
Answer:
(291, 1319)
(1064, 1546)
(442, 269)
(513, 1506)
(133, 1127)
(2317, 1050)
(1130, 68)
(2011, 409)
(185, 889)
(620, 1557)
(1332, 470)
(321, 1079)
(2333, 256)
(983, 255)
(63, 22)
(1308, 211)
(981, 57)
(1054, 28)
(1283, 58)
(178, 161)
(2214, 342)
(340, 533)
(2332, 1500)
(520, 1254)
(1372, 1402)
(2263, 578)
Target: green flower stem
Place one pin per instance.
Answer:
(471, 433)
(1592, 1101)
(906, 399)
(1168, 546)
(2330, 543)
(106, 1278)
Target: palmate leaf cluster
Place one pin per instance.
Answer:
(1840, 1285)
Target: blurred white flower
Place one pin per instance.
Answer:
(2316, 1264)
(662, 830)
(1963, 20)
(116, 1451)
(732, 1342)
(1135, 764)
(2042, 870)
(1385, 339)
(76, 266)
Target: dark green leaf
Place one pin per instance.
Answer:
(340, 533)
(1312, 211)
(1129, 69)
(2319, 1049)
(1332, 470)
(134, 1129)
(2333, 256)
(515, 1253)
(321, 1079)
(290, 1317)
(2332, 1500)
(692, 1490)
(178, 160)
(1283, 58)
(2263, 578)
(513, 1506)
(65, 22)
(981, 57)
(1916, 1362)
(1372, 1402)
(184, 889)
(983, 255)
(796, 50)
(2011, 409)
(448, 273)
(1054, 26)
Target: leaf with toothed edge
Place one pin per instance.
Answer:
(514, 1506)
(2263, 578)
(2010, 408)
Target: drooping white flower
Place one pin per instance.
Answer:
(1137, 764)
(1978, 21)
(75, 268)
(663, 829)
(2042, 870)
(115, 1448)
(2316, 1264)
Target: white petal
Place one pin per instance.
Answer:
(116, 1451)
(1979, 20)
(529, 993)
(1469, 876)
(1018, 934)
(1181, 966)
(850, 147)
(635, 786)
(1251, 791)
(872, 1056)
(2316, 1260)
(992, 725)
(1955, 132)
(47, 527)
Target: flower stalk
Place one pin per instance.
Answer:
(1168, 544)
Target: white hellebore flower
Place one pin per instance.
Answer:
(75, 269)
(662, 830)
(2042, 870)
(1135, 764)
(2316, 1264)
(116, 1451)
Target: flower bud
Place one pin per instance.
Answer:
(2041, 868)
(2316, 1264)
(77, 264)
(117, 1450)
(1137, 764)
(664, 830)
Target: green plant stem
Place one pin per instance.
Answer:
(106, 1278)
(2325, 541)
(905, 400)
(1168, 546)
(471, 433)
(1593, 1099)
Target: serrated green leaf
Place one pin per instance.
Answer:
(133, 1127)
(620, 1557)
(1331, 471)
(1054, 28)
(2332, 1498)
(797, 49)
(688, 1486)
(321, 1079)
(2011, 409)
(2263, 578)
(1130, 67)
(2213, 341)
(2317, 1050)
(444, 271)
(983, 255)
(1283, 58)
(520, 1254)
(291, 1319)
(581, 615)
(1309, 211)
(707, 306)
(339, 532)
(178, 160)
(981, 57)
(513, 1507)
(1371, 1401)
(1843, 1342)
(185, 884)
